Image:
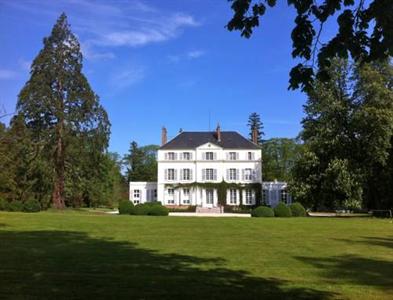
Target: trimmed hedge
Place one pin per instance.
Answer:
(150, 209)
(158, 210)
(126, 207)
(32, 205)
(281, 210)
(262, 211)
(297, 210)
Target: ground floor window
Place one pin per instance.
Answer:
(248, 199)
(284, 196)
(232, 196)
(186, 195)
(265, 196)
(209, 196)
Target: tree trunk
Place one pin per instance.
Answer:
(58, 185)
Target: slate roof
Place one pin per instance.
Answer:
(194, 139)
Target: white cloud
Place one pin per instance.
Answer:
(7, 74)
(195, 54)
(127, 77)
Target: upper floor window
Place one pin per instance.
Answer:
(171, 155)
(137, 194)
(209, 156)
(248, 196)
(248, 174)
(186, 174)
(170, 174)
(232, 196)
(186, 156)
(250, 156)
(232, 174)
(209, 174)
(232, 155)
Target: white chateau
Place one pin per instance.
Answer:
(209, 170)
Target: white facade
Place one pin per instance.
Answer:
(141, 192)
(274, 192)
(206, 163)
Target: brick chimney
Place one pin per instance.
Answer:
(254, 135)
(218, 133)
(164, 137)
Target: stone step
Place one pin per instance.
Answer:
(212, 210)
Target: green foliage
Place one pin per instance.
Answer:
(15, 206)
(150, 209)
(254, 122)
(126, 207)
(297, 210)
(262, 211)
(3, 204)
(278, 159)
(363, 33)
(282, 211)
(65, 119)
(241, 209)
(189, 208)
(32, 205)
(347, 159)
(141, 162)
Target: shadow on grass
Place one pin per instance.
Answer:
(355, 270)
(371, 240)
(62, 264)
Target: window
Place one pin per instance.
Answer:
(171, 155)
(248, 196)
(210, 174)
(232, 174)
(284, 196)
(186, 201)
(137, 194)
(247, 174)
(186, 156)
(186, 174)
(171, 192)
(155, 194)
(232, 155)
(209, 196)
(232, 196)
(209, 156)
(171, 174)
(265, 196)
(250, 156)
(186, 192)
(171, 201)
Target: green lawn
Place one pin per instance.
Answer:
(80, 255)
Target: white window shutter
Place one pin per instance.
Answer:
(228, 175)
(203, 155)
(191, 174)
(252, 155)
(180, 156)
(181, 174)
(175, 156)
(237, 174)
(237, 155)
(214, 156)
(215, 174)
(166, 174)
(190, 155)
(175, 174)
(203, 174)
(243, 174)
(166, 156)
(227, 155)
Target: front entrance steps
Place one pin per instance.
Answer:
(211, 210)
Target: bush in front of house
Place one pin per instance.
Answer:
(15, 206)
(297, 210)
(281, 210)
(262, 211)
(158, 210)
(126, 207)
(3, 204)
(141, 209)
(32, 205)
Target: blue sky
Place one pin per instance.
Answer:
(156, 63)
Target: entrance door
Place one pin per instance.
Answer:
(209, 197)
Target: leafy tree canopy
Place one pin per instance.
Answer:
(365, 33)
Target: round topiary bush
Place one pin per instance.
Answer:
(262, 211)
(281, 210)
(32, 205)
(126, 207)
(142, 209)
(297, 210)
(158, 210)
(15, 206)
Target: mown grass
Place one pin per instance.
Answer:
(86, 255)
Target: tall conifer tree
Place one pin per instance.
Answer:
(254, 121)
(59, 106)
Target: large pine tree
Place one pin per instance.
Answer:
(60, 108)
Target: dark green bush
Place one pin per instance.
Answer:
(189, 208)
(126, 207)
(262, 211)
(3, 204)
(32, 205)
(158, 210)
(297, 210)
(281, 210)
(141, 209)
(15, 206)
